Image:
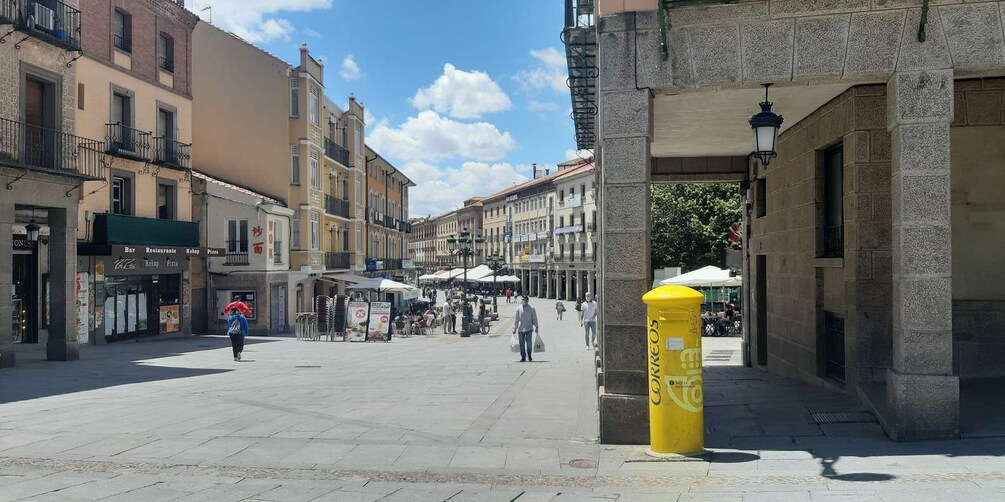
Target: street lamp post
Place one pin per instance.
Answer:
(465, 245)
(495, 262)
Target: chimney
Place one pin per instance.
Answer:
(547, 171)
(535, 170)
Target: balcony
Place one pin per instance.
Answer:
(389, 222)
(387, 263)
(234, 254)
(336, 206)
(337, 152)
(338, 260)
(127, 142)
(53, 22)
(50, 151)
(570, 229)
(172, 153)
(122, 229)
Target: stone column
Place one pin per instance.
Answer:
(63, 344)
(625, 131)
(6, 278)
(593, 283)
(547, 283)
(923, 396)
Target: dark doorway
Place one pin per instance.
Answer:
(834, 346)
(25, 326)
(761, 303)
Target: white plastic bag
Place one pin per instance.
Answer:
(514, 343)
(538, 343)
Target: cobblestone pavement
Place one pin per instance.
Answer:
(432, 418)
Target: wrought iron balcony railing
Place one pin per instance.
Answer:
(172, 153)
(47, 150)
(337, 259)
(337, 152)
(51, 21)
(336, 206)
(125, 141)
(389, 222)
(237, 253)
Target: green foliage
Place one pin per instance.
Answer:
(691, 224)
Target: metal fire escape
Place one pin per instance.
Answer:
(580, 39)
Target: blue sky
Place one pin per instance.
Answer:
(463, 95)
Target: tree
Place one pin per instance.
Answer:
(691, 224)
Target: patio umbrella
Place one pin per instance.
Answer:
(381, 285)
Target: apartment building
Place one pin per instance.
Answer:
(529, 214)
(42, 166)
(422, 244)
(292, 145)
(386, 217)
(494, 224)
(135, 230)
(572, 271)
(258, 226)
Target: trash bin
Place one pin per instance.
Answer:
(676, 418)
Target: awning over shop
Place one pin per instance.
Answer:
(346, 278)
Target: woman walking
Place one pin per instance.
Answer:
(560, 309)
(238, 329)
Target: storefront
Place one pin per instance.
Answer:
(137, 291)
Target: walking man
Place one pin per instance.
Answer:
(525, 326)
(237, 329)
(589, 320)
(509, 293)
(560, 309)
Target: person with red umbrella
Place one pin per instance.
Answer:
(239, 305)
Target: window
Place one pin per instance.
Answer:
(123, 137)
(80, 95)
(165, 52)
(315, 232)
(237, 236)
(582, 250)
(313, 103)
(166, 201)
(277, 243)
(359, 191)
(572, 252)
(572, 191)
(561, 251)
(122, 195)
(760, 202)
(294, 165)
(833, 214)
(295, 230)
(123, 34)
(359, 140)
(582, 189)
(315, 173)
(294, 97)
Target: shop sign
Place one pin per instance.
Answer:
(165, 250)
(21, 243)
(146, 265)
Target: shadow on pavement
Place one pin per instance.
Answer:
(110, 365)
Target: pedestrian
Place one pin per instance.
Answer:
(453, 318)
(589, 320)
(525, 326)
(560, 308)
(509, 293)
(448, 317)
(579, 310)
(237, 329)
(481, 312)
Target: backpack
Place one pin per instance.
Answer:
(235, 328)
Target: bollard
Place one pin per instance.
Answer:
(676, 417)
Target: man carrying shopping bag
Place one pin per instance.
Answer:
(525, 325)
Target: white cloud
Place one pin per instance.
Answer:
(580, 154)
(542, 106)
(463, 95)
(440, 190)
(350, 70)
(430, 137)
(369, 118)
(550, 73)
(551, 57)
(311, 33)
(256, 20)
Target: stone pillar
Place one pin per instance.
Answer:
(547, 283)
(6, 278)
(593, 283)
(63, 344)
(625, 131)
(568, 286)
(923, 396)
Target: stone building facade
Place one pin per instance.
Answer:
(863, 262)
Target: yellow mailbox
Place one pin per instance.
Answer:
(676, 418)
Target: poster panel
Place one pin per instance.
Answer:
(380, 324)
(170, 318)
(357, 317)
(83, 307)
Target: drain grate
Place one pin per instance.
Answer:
(842, 417)
(580, 463)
